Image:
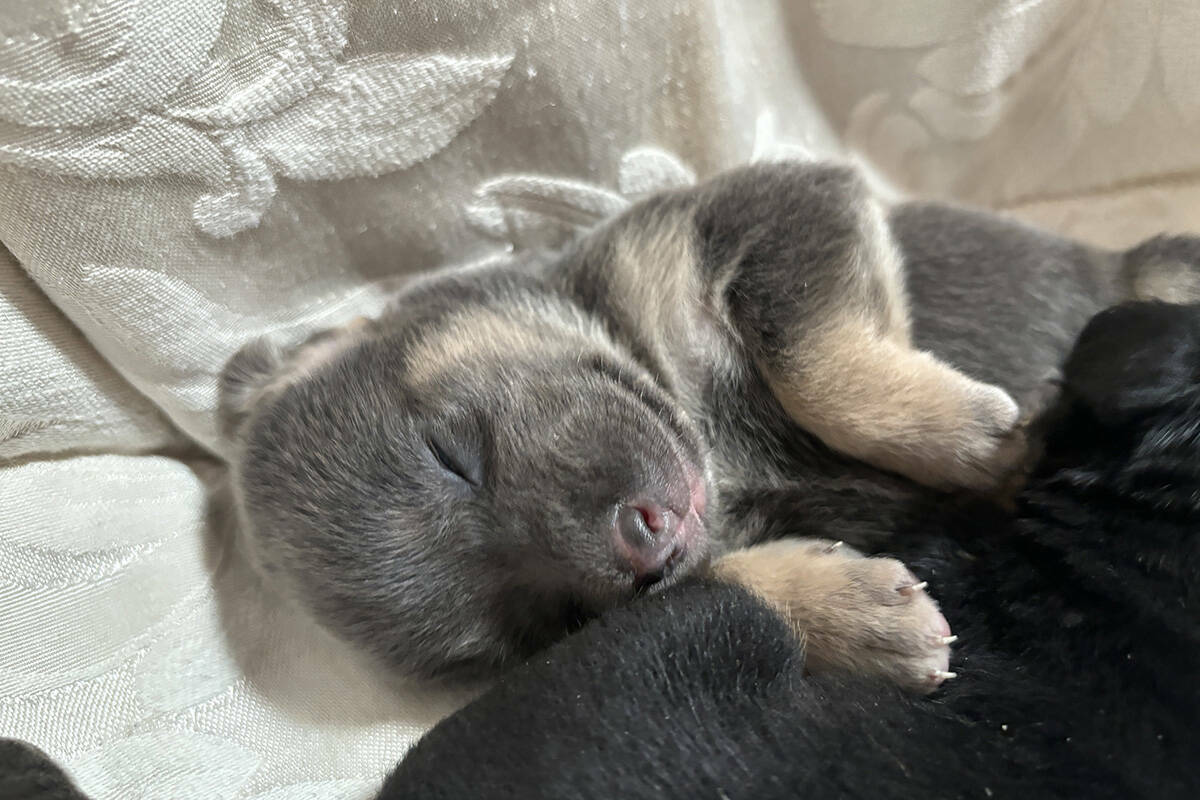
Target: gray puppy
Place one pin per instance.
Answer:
(508, 451)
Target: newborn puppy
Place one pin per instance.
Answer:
(1080, 622)
(508, 451)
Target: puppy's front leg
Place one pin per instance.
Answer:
(811, 281)
(868, 616)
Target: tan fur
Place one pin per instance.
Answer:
(655, 265)
(474, 337)
(881, 265)
(856, 381)
(855, 614)
(881, 400)
(656, 278)
(479, 337)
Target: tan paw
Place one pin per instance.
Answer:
(867, 616)
(888, 404)
(987, 445)
(968, 435)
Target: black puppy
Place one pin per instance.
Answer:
(1080, 642)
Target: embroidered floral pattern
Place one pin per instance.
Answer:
(531, 211)
(1009, 92)
(274, 99)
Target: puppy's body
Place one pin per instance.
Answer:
(508, 451)
(1000, 301)
(1080, 634)
(976, 279)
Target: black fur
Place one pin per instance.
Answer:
(26, 773)
(1079, 619)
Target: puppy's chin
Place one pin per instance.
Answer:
(694, 561)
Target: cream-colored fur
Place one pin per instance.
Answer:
(869, 616)
(870, 394)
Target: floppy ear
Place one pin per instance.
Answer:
(243, 379)
(1133, 358)
(264, 366)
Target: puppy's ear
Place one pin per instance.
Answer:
(264, 366)
(245, 377)
(1133, 358)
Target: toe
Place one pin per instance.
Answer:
(888, 581)
(995, 410)
(941, 628)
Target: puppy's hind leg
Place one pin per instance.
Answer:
(879, 399)
(818, 297)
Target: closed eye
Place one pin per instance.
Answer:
(452, 460)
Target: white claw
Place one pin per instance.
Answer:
(834, 546)
(942, 675)
(951, 639)
(916, 587)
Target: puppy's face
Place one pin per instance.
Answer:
(450, 486)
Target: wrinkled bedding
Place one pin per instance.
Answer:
(178, 176)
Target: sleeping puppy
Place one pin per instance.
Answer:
(508, 451)
(1080, 623)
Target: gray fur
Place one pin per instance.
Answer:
(1000, 300)
(574, 384)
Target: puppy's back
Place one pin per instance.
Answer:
(1000, 300)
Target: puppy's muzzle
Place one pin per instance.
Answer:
(648, 539)
(653, 537)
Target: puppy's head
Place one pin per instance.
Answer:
(1131, 398)
(1134, 360)
(457, 483)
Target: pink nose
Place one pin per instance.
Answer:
(646, 535)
